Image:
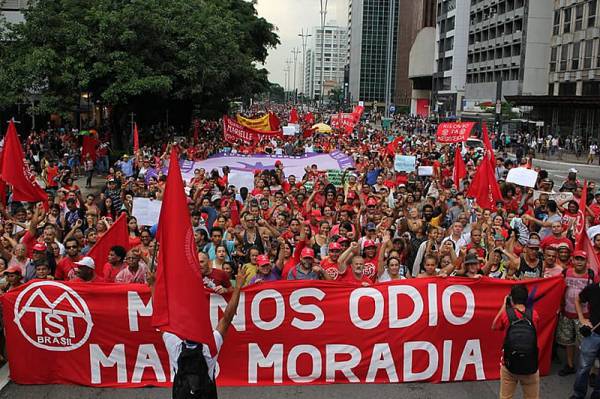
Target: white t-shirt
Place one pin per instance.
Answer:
(173, 344)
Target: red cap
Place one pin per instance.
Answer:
(278, 163)
(13, 269)
(263, 260)
(351, 195)
(316, 213)
(372, 202)
(335, 246)
(580, 254)
(307, 253)
(369, 243)
(342, 239)
(40, 246)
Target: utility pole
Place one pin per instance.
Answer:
(288, 64)
(304, 37)
(285, 85)
(498, 106)
(323, 20)
(295, 52)
(132, 122)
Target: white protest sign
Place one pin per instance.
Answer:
(289, 130)
(522, 176)
(146, 211)
(425, 171)
(558, 197)
(404, 163)
(593, 231)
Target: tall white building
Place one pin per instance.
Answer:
(450, 67)
(335, 52)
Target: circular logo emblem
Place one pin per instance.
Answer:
(52, 316)
(333, 272)
(369, 270)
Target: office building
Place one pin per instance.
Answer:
(509, 41)
(450, 56)
(335, 53)
(570, 105)
(12, 10)
(373, 35)
(413, 16)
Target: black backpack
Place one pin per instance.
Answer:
(520, 344)
(192, 380)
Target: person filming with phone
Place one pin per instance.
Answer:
(587, 305)
(519, 362)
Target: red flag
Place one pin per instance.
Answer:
(592, 257)
(180, 302)
(460, 170)
(580, 230)
(392, 146)
(488, 146)
(294, 116)
(117, 234)
(14, 172)
(136, 139)
(484, 187)
(90, 142)
(309, 118)
(196, 131)
(274, 122)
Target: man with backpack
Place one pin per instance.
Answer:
(192, 363)
(590, 344)
(520, 351)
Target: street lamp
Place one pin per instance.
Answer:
(323, 18)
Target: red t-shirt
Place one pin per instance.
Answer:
(330, 268)
(370, 270)
(217, 277)
(503, 322)
(64, 267)
(349, 277)
(552, 240)
(109, 272)
(96, 279)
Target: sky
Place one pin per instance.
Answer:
(290, 17)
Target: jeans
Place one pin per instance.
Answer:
(102, 164)
(588, 351)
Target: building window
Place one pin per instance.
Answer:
(592, 13)
(578, 17)
(564, 54)
(590, 88)
(553, 53)
(587, 57)
(575, 56)
(567, 88)
(567, 20)
(551, 89)
(556, 27)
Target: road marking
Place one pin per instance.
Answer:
(4, 372)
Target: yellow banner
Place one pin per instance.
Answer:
(261, 123)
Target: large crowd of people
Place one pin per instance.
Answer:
(380, 225)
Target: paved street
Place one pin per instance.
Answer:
(552, 386)
(558, 169)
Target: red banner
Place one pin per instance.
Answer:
(454, 132)
(343, 121)
(286, 332)
(234, 132)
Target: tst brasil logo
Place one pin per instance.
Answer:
(52, 316)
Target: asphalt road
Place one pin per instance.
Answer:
(551, 386)
(558, 170)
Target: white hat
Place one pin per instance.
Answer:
(87, 261)
(572, 170)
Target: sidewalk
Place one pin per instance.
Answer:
(561, 157)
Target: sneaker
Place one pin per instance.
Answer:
(567, 370)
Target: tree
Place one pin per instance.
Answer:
(135, 55)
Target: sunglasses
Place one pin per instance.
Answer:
(71, 247)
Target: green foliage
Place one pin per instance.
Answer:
(129, 52)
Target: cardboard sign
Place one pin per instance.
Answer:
(289, 130)
(522, 177)
(425, 171)
(146, 211)
(404, 163)
(335, 177)
(558, 197)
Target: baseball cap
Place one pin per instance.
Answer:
(369, 243)
(263, 260)
(13, 269)
(40, 246)
(278, 163)
(371, 202)
(471, 259)
(342, 240)
(87, 262)
(307, 253)
(371, 226)
(334, 246)
(572, 170)
(563, 245)
(316, 213)
(533, 243)
(580, 254)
